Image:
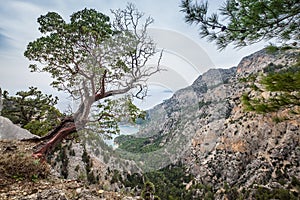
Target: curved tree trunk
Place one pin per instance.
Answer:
(50, 141)
(68, 126)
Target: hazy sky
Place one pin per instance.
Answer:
(186, 54)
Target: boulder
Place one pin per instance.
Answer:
(10, 131)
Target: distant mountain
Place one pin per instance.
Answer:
(207, 127)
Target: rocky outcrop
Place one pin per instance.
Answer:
(10, 131)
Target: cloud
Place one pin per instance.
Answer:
(183, 57)
(45, 4)
(5, 42)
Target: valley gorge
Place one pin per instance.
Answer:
(227, 136)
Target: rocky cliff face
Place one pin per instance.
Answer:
(223, 145)
(174, 123)
(247, 150)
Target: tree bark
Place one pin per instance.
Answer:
(68, 126)
(50, 141)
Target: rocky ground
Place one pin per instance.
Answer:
(23, 177)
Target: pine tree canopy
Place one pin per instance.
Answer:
(244, 22)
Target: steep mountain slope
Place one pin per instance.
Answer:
(237, 153)
(249, 150)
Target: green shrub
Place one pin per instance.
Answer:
(285, 85)
(148, 191)
(138, 145)
(280, 193)
(271, 49)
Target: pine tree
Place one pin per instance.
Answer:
(244, 22)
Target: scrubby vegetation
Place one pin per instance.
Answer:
(134, 144)
(149, 191)
(271, 49)
(203, 103)
(281, 86)
(169, 183)
(88, 167)
(263, 193)
(17, 164)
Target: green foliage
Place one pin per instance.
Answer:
(111, 112)
(116, 177)
(33, 110)
(271, 68)
(134, 144)
(169, 182)
(86, 159)
(156, 197)
(90, 52)
(134, 112)
(250, 78)
(263, 193)
(64, 162)
(94, 58)
(133, 180)
(277, 119)
(203, 103)
(62, 158)
(282, 81)
(148, 191)
(232, 192)
(295, 182)
(246, 102)
(244, 22)
(283, 85)
(108, 117)
(271, 49)
(77, 168)
(65, 46)
(254, 87)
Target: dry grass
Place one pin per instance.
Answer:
(23, 177)
(17, 164)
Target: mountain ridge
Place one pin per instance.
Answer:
(221, 142)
